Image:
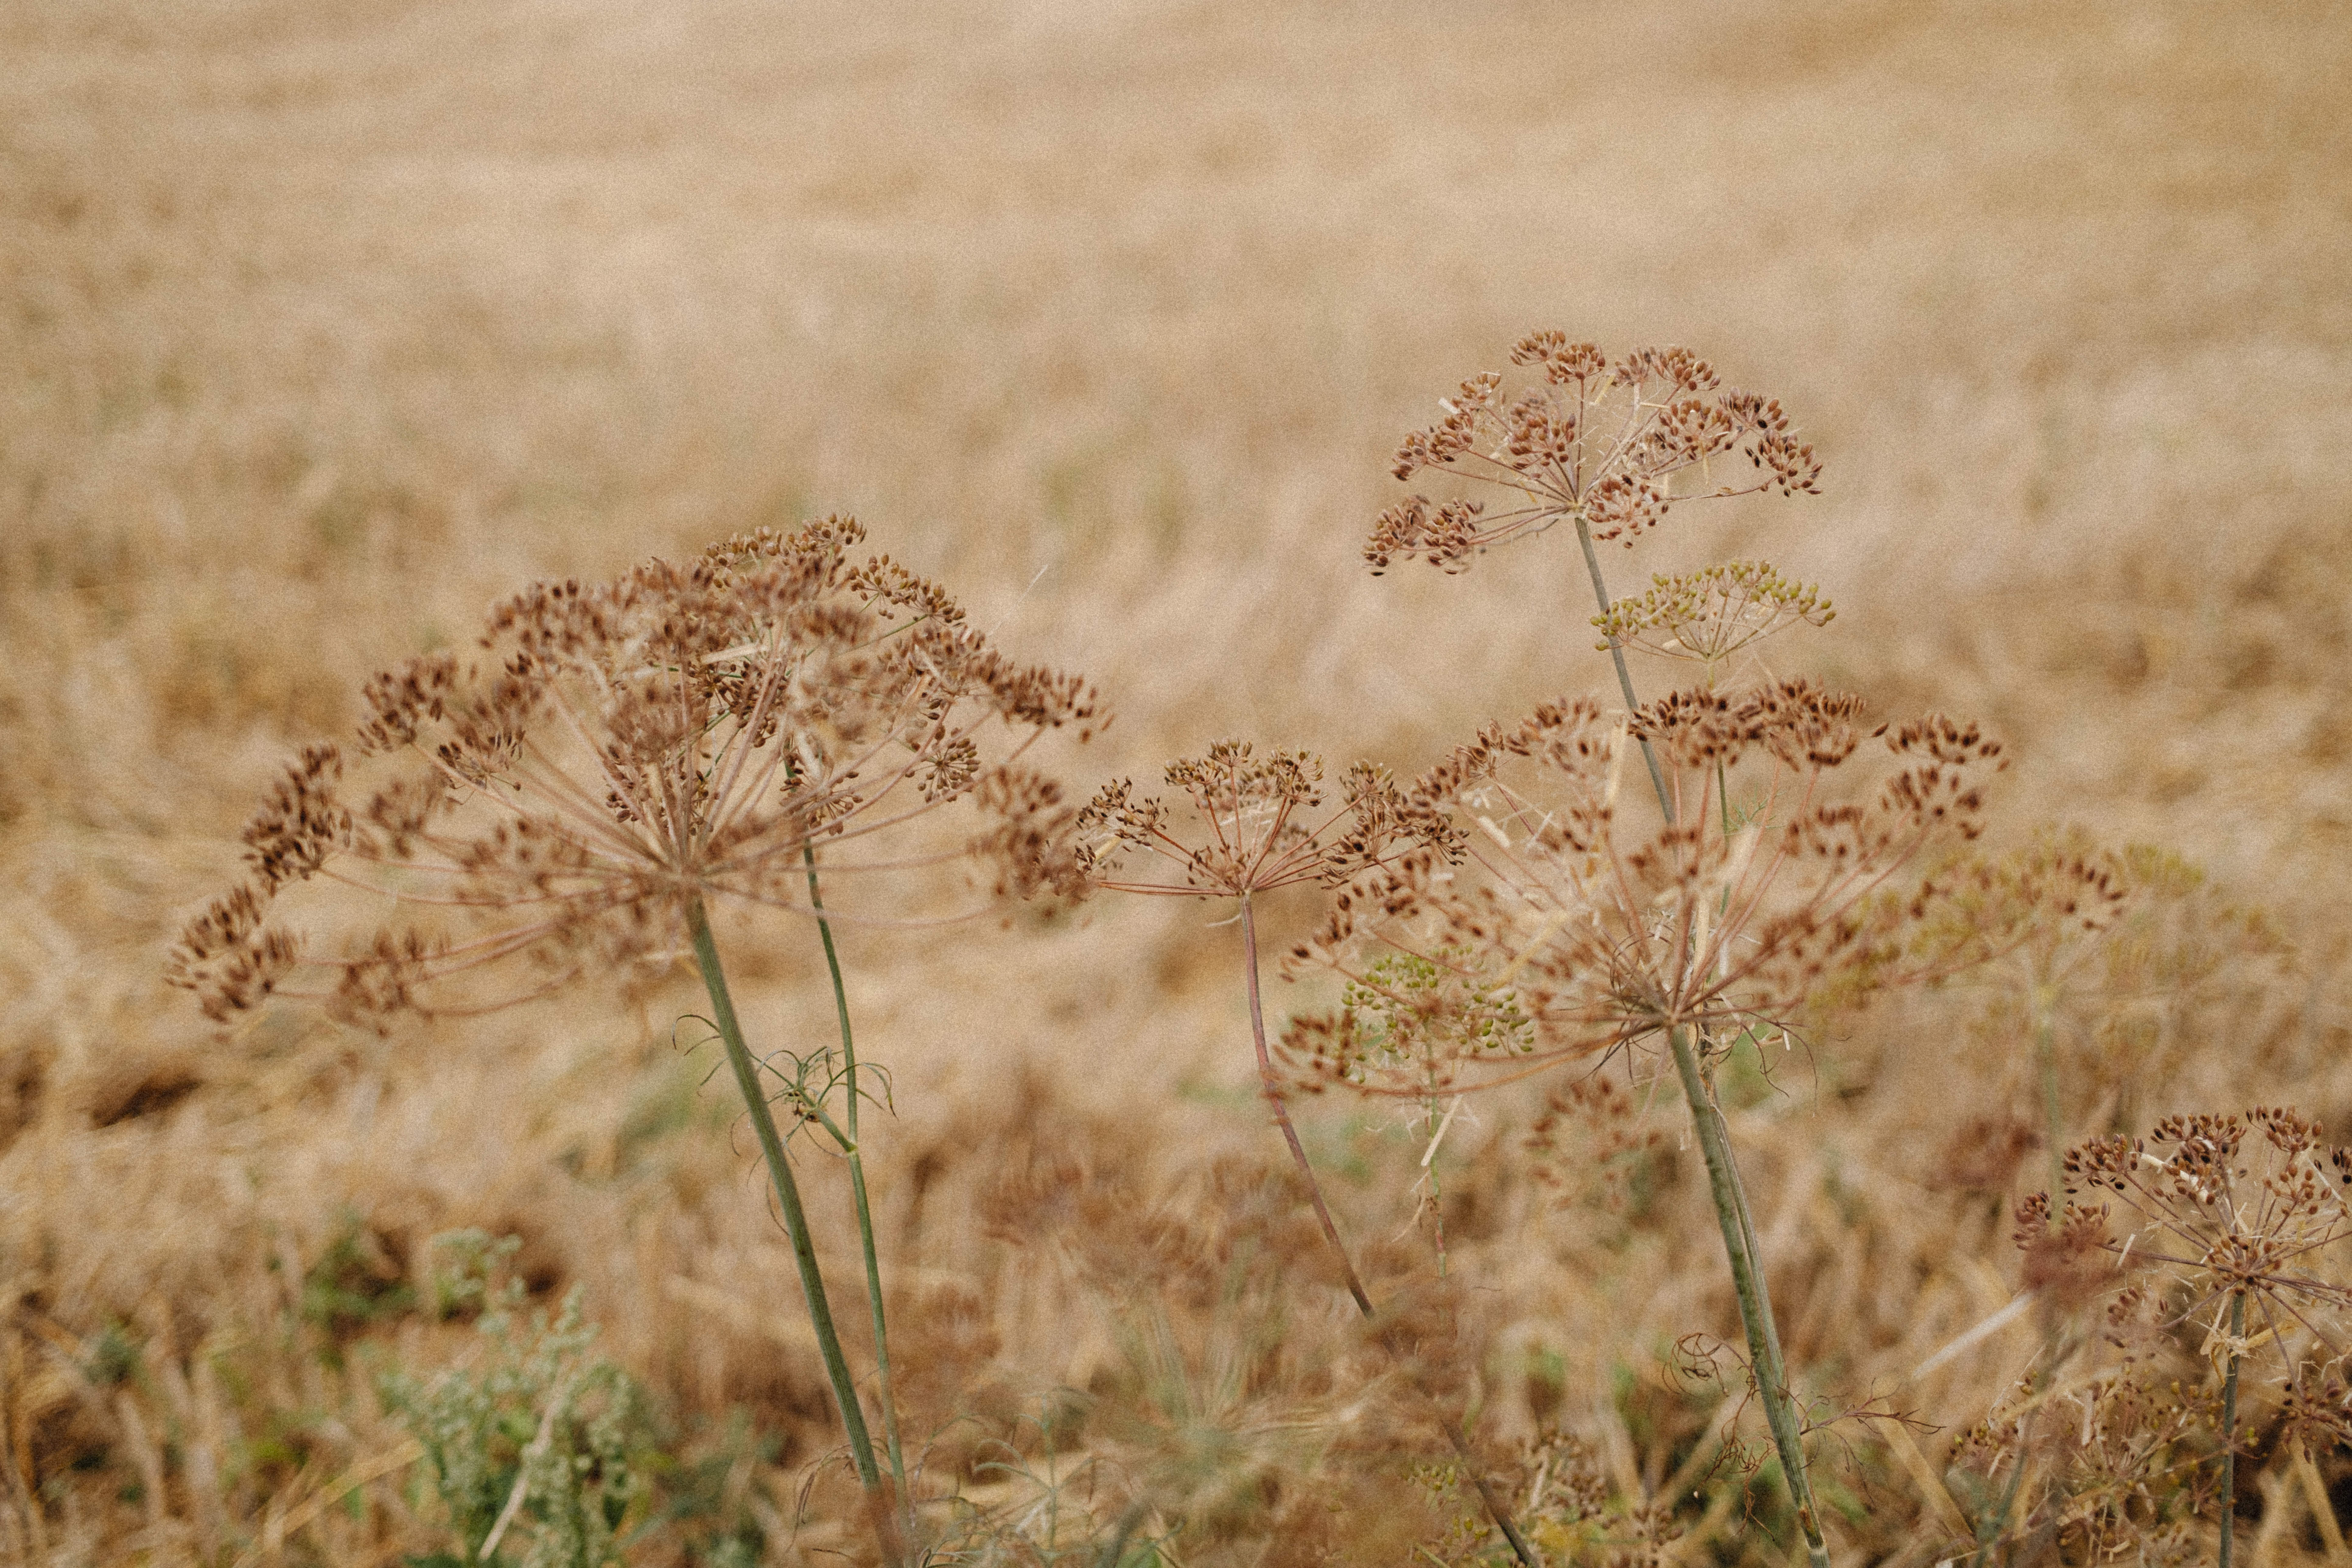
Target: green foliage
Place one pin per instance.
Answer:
(707, 1500)
(539, 1454)
(115, 1355)
(1411, 1012)
(353, 1283)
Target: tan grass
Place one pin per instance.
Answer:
(324, 326)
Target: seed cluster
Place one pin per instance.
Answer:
(1255, 824)
(1596, 442)
(1712, 614)
(2228, 1224)
(606, 753)
(2231, 1205)
(1599, 936)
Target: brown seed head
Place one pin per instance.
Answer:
(608, 754)
(1255, 824)
(1594, 443)
(1541, 899)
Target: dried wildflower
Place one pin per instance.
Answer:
(607, 760)
(609, 756)
(2068, 1260)
(1584, 1141)
(1410, 1017)
(1596, 442)
(2235, 1208)
(1712, 614)
(1258, 823)
(1255, 825)
(1721, 925)
(2117, 1452)
(2060, 892)
(2235, 1212)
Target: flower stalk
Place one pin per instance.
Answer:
(1727, 1189)
(1624, 677)
(2229, 1427)
(787, 1196)
(1747, 1281)
(855, 1149)
(1497, 1509)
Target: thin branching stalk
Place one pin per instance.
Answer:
(1747, 1281)
(855, 1149)
(1617, 653)
(1497, 1509)
(1724, 1185)
(2229, 1429)
(1274, 1098)
(788, 1195)
(1993, 1526)
(2046, 1056)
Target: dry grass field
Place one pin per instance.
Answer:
(324, 326)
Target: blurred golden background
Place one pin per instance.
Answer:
(326, 325)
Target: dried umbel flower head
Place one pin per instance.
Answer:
(1596, 442)
(1586, 1140)
(608, 755)
(1601, 936)
(1257, 824)
(2234, 1207)
(1713, 615)
(2058, 889)
(2235, 1215)
(2119, 1455)
(1410, 1017)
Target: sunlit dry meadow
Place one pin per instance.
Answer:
(327, 325)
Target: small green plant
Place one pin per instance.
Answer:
(352, 1283)
(537, 1455)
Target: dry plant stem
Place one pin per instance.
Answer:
(1730, 1193)
(1116, 1549)
(2229, 1427)
(1496, 1510)
(2045, 1050)
(1991, 1528)
(1617, 653)
(857, 1187)
(788, 1195)
(1274, 1098)
(2323, 1510)
(1747, 1281)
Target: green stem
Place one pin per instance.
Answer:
(1624, 677)
(2054, 1114)
(858, 1185)
(788, 1195)
(1747, 1283)
(1724, 1183)
(1271, 1087)
(1112, 1552)
(2229, 1427)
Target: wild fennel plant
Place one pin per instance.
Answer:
(570, 798)
(1725, 923)
(1255, 825)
